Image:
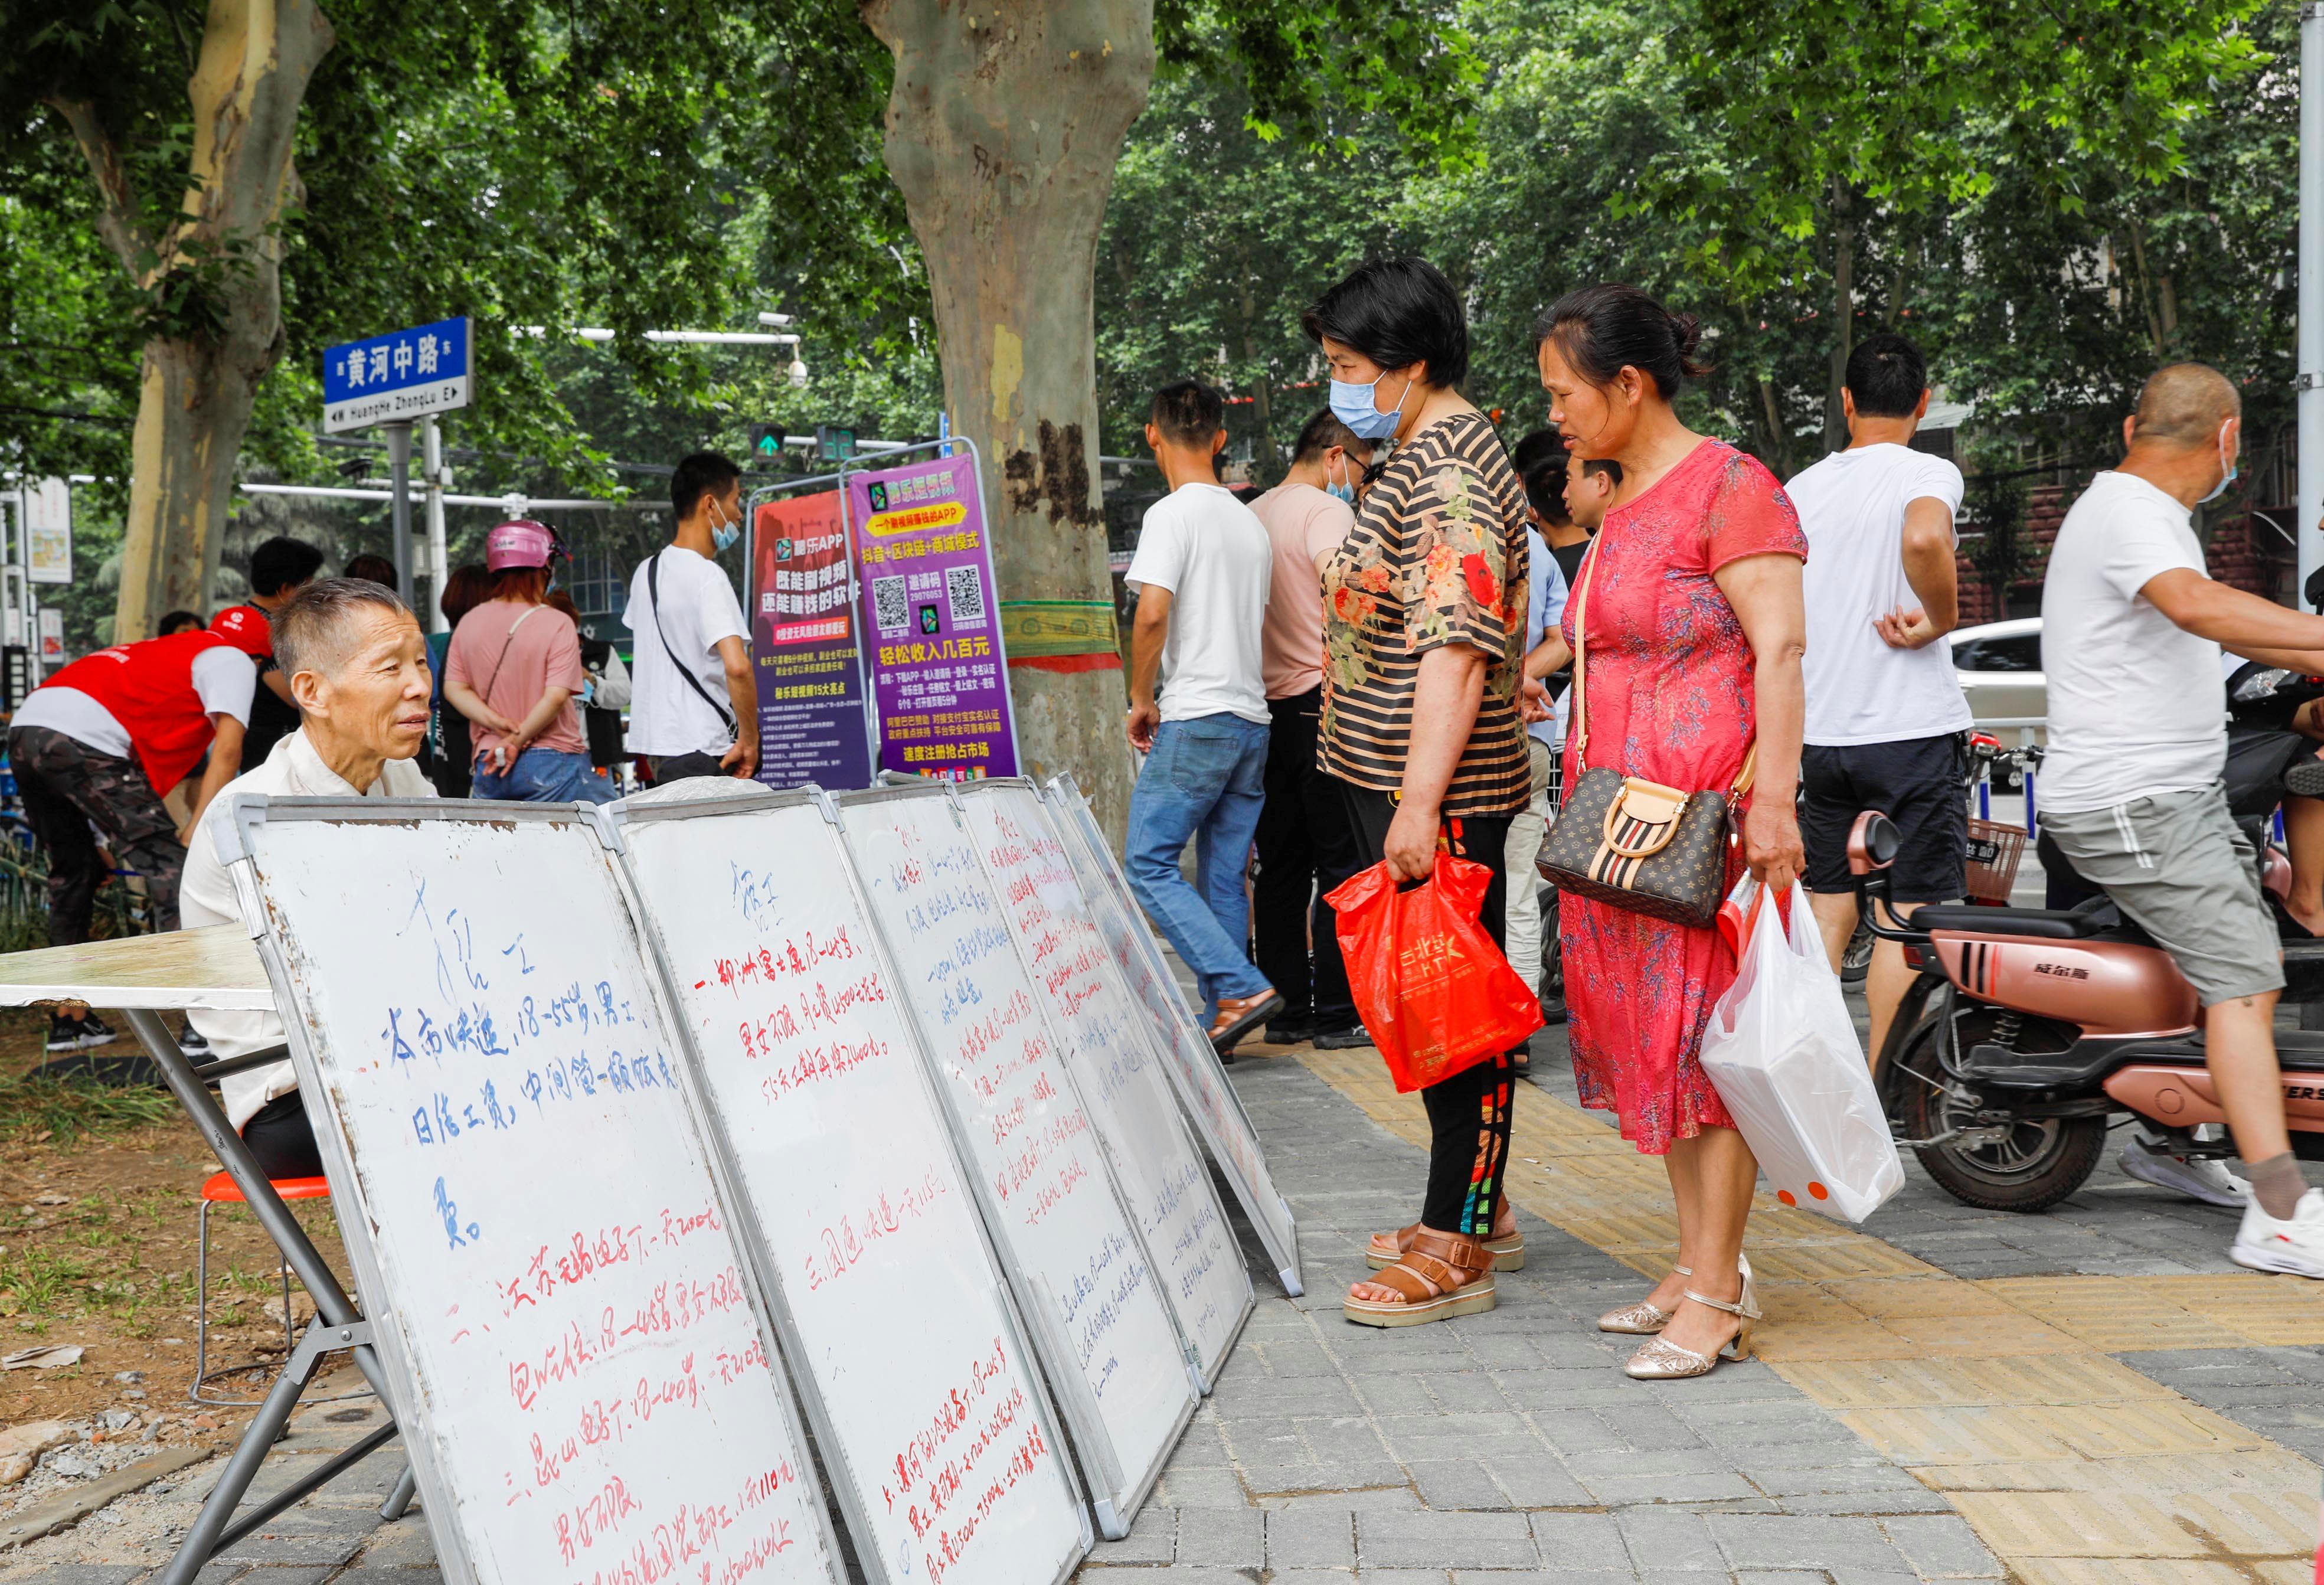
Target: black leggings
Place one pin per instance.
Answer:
(1468, 1113)
(284, 1140)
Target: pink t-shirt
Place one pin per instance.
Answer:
(543, 651)
(1302, 523)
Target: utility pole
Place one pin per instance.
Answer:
(2309, 535)
(399, 460)
(439, 561)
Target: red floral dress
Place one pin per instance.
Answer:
(1668, 696)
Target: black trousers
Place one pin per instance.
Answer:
(279, 1136)
(1304, 836)
(1468, 1113)
(670, 768)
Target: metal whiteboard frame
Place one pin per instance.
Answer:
(1204, 1370)
(412, 1414)
(1085, 1415)
(756, 798)
(1062, 797)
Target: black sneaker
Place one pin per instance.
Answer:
(1288, 1029)
(64, 1033)
(194, 1044)
(95, 1032)
(1347, 1040)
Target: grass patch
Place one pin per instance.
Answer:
(65, 1110)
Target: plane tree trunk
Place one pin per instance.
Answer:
(1002, 133)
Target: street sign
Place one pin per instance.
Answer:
(833, 443)
(767, 442)
(396, 378)
(48, 531)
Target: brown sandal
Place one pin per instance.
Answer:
(1387, 1248)
(1428, 1278)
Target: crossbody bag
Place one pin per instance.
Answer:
(1634, 844)
(653, 596)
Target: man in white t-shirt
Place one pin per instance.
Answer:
(2132, 795)
(1884, 711)
(694, 700)
(1203, 571)
(1303, 835)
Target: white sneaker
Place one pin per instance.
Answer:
(2296, 1246)
(2197, 1177)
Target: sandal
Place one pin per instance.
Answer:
(1427, 1276)
(1387, 1248)
(1642, 1319)
(1660, 1360)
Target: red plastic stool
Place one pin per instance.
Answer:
(222, 1190)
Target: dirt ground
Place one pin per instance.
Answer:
(98, 1194)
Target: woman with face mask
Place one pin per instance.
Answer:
(1692, 629)
(1423, 617)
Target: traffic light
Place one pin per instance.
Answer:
(767, 442)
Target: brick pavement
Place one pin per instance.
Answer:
(1976, 1395)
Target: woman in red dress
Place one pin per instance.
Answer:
(1693, 627)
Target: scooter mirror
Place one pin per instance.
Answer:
(1872, 843)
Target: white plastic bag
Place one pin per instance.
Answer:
(1787, 1062)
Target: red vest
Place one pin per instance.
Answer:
(149, 687)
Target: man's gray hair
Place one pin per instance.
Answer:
(312, 628)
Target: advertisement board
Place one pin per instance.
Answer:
(812, 724)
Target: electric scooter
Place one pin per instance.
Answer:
(2027, 1029)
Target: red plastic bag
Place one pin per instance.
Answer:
(1436, 995)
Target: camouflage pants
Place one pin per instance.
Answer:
(69, 787)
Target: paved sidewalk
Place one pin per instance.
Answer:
(2051, 1422)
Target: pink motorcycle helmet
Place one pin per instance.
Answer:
(523, 542)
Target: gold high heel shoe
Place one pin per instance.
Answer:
(1660, 1360)
(1644, 1318)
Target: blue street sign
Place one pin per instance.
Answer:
(402, 376)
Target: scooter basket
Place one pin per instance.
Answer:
(1995, 851)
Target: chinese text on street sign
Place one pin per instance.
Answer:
(402, 376)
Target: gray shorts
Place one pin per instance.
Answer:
(2176, 865)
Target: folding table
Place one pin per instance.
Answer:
(218, 969)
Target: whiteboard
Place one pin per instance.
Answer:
(927, 1404)
(550, 1275)
(1189, 1058)
(1049, 1197)
(1186, 1226)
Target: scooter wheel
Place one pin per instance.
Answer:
(2040, 1162)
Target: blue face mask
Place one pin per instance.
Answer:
(723, 535)
(1354, 406)
(2229, 468)
(1342, 488)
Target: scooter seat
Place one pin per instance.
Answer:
(2043, 924)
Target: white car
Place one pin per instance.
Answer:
(1999, 665)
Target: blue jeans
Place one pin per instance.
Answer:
(544, 776)
(1206, 780)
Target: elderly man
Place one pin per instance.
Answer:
(358, 672)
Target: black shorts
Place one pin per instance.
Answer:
(1918, 783)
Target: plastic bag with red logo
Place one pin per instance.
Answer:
(1436, 994)
(1785, 1059)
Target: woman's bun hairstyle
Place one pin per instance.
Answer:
(1605, 328)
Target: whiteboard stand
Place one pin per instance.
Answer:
(1190, 1058)
(337, 1325)
(757, 1249)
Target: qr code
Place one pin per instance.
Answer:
(888, 607)
(964, 588)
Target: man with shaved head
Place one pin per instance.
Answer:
(2131, 627)
(357, 668)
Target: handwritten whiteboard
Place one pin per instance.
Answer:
(1186, 1226)
(1049, 1197)
(1191, 1061)
(927, 1404)
(551, 1277)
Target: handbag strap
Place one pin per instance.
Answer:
(1578, 728)
(502, 658)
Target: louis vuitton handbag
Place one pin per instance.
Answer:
(1634, 844)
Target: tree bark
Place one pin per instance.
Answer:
(1843, 305)
(1003, 129)
(212, 276)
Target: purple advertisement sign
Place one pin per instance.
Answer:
(806, 646)
(931, 617)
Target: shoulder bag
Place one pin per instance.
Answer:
(1634, 844)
